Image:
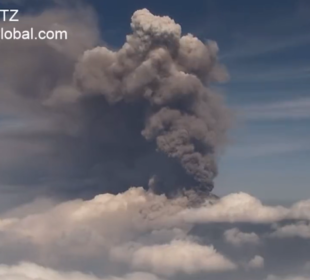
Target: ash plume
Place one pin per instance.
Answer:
(117, 118)
(168, 75)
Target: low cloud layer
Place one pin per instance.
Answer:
(139, 231)
(29, 271)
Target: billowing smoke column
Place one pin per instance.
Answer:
(163, 77)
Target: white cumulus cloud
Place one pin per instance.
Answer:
(179, 256)
(30, 271)
(238, 207)
(257, 262)
(237, 238)
(300, 229)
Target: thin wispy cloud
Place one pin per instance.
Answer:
(266, 150)
(275, 74)
(273, 35)
(256, 46)
(297, 109)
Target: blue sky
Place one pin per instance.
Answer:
(265, 46)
